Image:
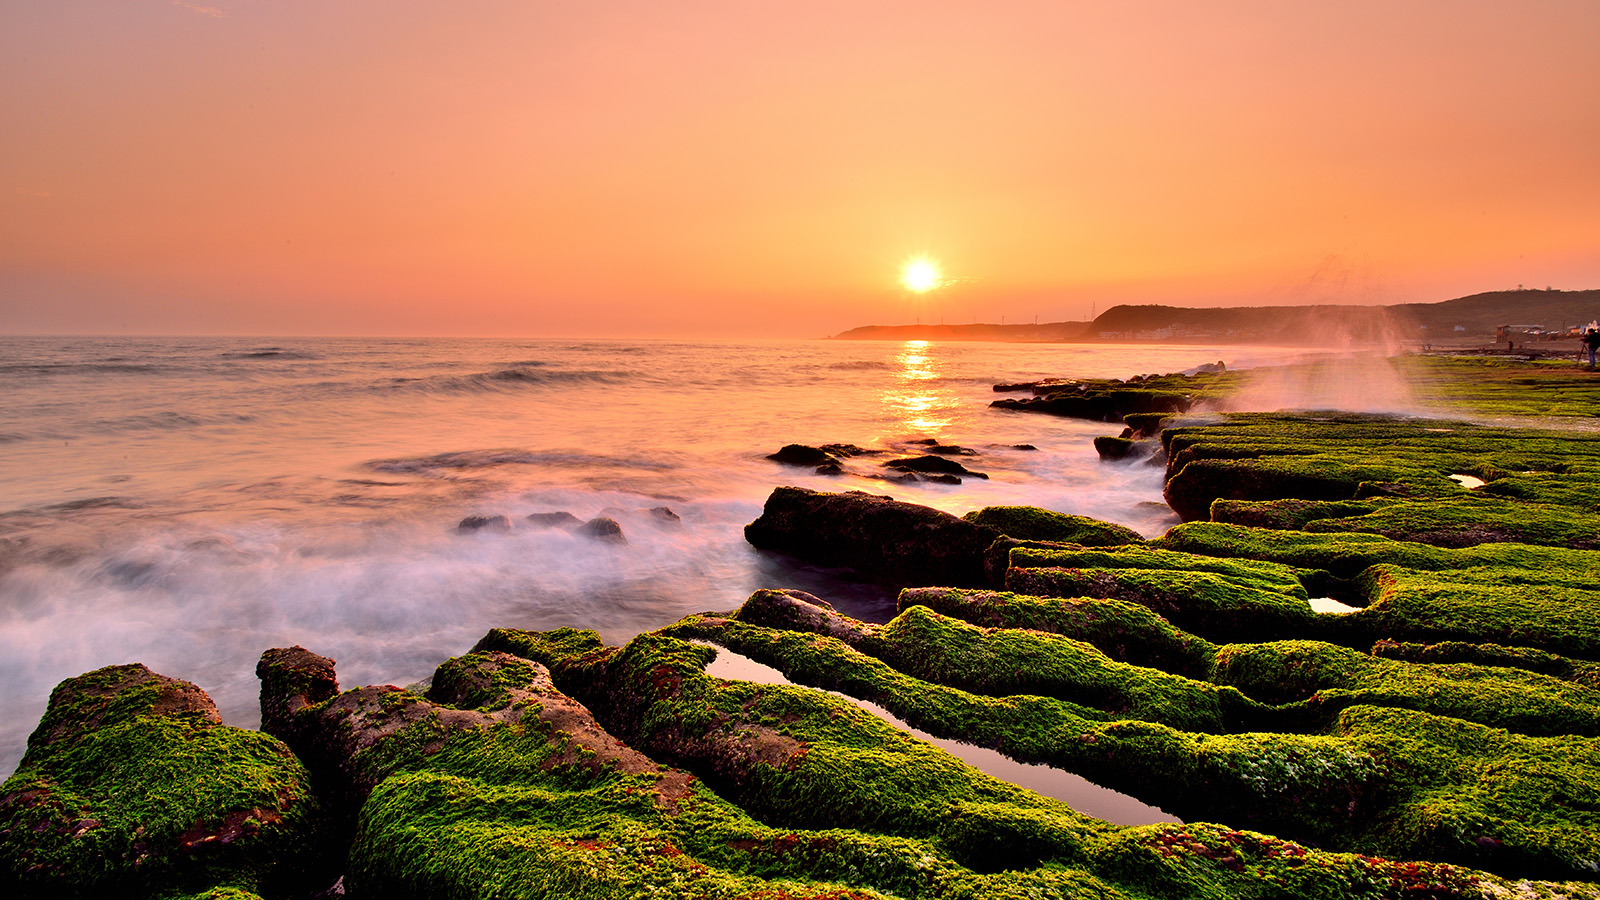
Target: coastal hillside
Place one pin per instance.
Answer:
(1475, 319)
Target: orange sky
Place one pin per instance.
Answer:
(588, 168)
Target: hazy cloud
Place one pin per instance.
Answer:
(202, 10)
(31, 192)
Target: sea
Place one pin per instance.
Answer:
(188, 503)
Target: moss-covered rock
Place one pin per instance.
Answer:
(1374, 784)
(132, 788)
(1523, 595)
(1395, 477)
(1129, 632)
(1217, 599)
(1034, 524)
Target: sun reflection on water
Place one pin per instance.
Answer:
(917, 406)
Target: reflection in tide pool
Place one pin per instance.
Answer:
(1083, 795)
(1331, 606)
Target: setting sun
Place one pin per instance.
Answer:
(920, 275)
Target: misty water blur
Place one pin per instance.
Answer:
(188, 503)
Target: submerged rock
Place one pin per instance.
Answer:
(562, 519)
(1114, 448)
(602, 528)
(484, 523)
(132, 788)
(895, 543)
(938, 464)
(801, 455)
(664, 514)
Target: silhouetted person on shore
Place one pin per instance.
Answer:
(1591, 342)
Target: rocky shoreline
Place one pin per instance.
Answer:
(1366, 665)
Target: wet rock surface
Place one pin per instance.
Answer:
(883, 538)
(934, 464)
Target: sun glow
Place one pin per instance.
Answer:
(921, 275)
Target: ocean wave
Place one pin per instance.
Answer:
(110, 502)
(485, 459)
(167, 421)
(77, 368)
(512, 378)
(861, 365)
(265, 353)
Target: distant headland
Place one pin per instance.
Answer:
(1495, 316)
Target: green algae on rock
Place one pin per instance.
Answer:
(1031, 523)
(991, 840)
(1358, 786)
(1385, 475)
(132, 788)
(1524, 595)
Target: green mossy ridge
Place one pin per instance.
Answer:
(153, 805)
(1030, 523)
(935, 648)
(1375, 785)
(1347, 555)
(1477, 683)
(1479, 604)
(1578, 487)
(1122, 630)
(1541, 661)
(1291, 514)
(1503, 387)
(1217, 599)
(653, 694)
(1158, 861)
(1190, 775)
(1510, 594)
(1338, 677)
(1462, 522)
(1314, 463)
(497, 812)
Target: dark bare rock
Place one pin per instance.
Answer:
(664, 514)
(830, 469)
(801, 455)
(1100, 405)
(900, 544)
(1114, 448)
(846, 451)
(603, 528)
(484, 523)
(132, 788)
(562, 519)
(936, 464)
